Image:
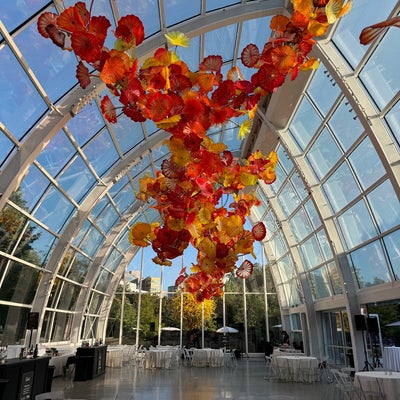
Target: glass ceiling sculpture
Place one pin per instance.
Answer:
(200, 176)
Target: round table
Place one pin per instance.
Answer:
(296, 368)
(391, 358)
(207, 358)
(389, 382)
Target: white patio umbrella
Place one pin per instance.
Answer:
(170, 329)
(227, 329)
(397, 323)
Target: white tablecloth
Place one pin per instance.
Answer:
(160, 358)
(115, 356)
(59, 362)
(391, 358)
(207, 358)
(296, 368)
(389, 382)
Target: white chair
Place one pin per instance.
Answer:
(269, 371)
(57, 395)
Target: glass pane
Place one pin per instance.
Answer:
(340, 188)
(113, 260)
(392, 244)
(95, 302)
(19, 282)
(363, 13)
(310, 253)
(56, 327)
(225, 35)
(13, 324)
(180, 10)
(56, 153)
(147, 11)
(288, 199)
(324, 244)
(356, 225)
(24, 106)
(393, 120)
(64, 295)
(102, 153)
(92, 241)
(323, 154)
(336, 281)
(366, 163)
(313, 214)
(14, 13)
(107, 218)
(284, 160)
(54, 209)
(103, 281)
(323, 90)
(86, 124)
(74, 266)
(369, 265)
(301, 226)
(77, 179)
(54, 68)
(304, 124)
(380, 74)
(385, 206)
(319, 283)
(215, 4)
(345, 126)
(280, 178)
(32, 187)
(128, 133)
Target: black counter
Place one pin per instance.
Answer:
(23, 379)
(90, 362)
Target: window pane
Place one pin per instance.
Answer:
(323, 154)
(380, 74)
(356, 225)
(340, 188)
(319, 283)
(345, 127)
(322, 90)
(385, 206)
(369, 265)
(310, 253)
(392, 243)
(304, 124)
(366, 163)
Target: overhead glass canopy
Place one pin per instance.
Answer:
(68, 178)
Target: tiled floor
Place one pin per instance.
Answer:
(243, 382)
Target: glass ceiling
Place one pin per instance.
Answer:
(68, 178)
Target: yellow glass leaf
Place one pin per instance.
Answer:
(195, 268)
(169, 122)
(248, 179)
(244, 129)
(234, 74)
(180, 155)
(207, 246)
(207, 265)
(176, 38)
(306, 7)
(244, 246)
(335, 9)
(317, 28)
(311, 63)
(176, 224)
(204, 216)
(232, 225)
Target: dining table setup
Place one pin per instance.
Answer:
(385, 384)
(391, 358)
(207, 357)
(295, 368)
